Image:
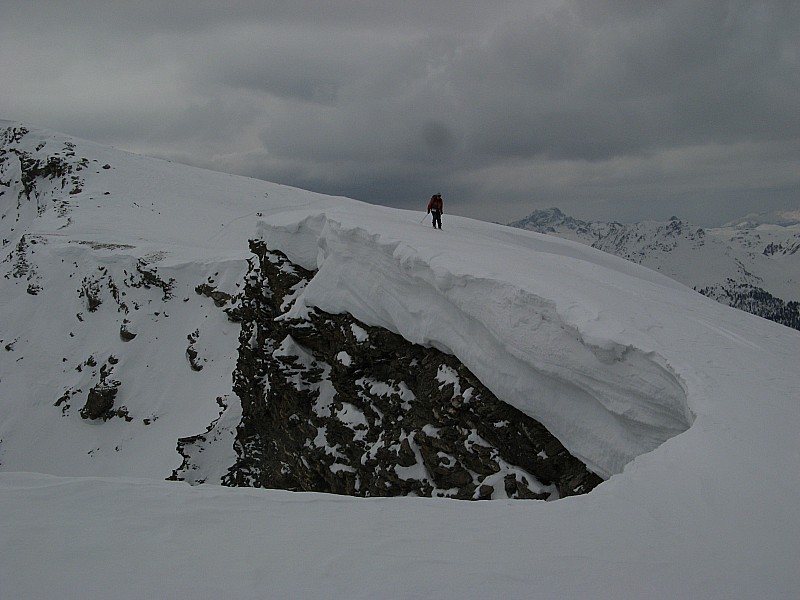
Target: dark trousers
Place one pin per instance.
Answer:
(437, 218)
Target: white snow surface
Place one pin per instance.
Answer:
(690, 408)
(761, 255)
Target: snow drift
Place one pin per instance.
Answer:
(607, 400)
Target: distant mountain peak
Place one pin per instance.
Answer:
(548, 219)
(734, 264)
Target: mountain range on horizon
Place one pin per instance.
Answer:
(752, 263)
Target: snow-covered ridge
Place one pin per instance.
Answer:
(750, 265)
(538, 320)
(709, 513)
(607, 401)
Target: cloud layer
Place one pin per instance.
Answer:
(608, 109)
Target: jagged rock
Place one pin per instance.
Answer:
(220, 298)
(519, 489)
(100, 403)
(485, 492)
(191, 353)
(330, 404)
(149, 278)
(406, 456)
(126, 334)
(194, 363)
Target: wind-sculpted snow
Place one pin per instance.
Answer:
(606, 401)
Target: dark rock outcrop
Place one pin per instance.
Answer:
(332, 405)
(100, 403)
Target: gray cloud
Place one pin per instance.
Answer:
(610, 109)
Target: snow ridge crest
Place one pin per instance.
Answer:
(607, 402)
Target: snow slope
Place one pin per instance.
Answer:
(690, 407)
(734, 264)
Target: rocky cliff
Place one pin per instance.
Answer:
(330, 404)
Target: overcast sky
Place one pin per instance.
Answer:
(621, 110)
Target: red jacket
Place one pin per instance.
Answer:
(436, 204)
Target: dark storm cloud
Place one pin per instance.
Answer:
(593, 84)
(608, 108)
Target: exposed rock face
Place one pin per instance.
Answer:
(100, 402)
(332, 405)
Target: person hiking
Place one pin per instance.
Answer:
(436, 208)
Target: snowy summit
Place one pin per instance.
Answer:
(115, 348)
